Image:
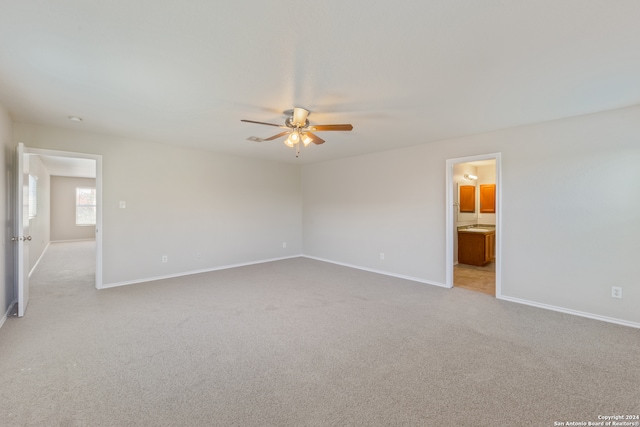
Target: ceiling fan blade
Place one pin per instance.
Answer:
(330, 127)
(262, 123)
(271, 138)
(314, 138)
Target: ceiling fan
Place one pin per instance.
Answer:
(299, 130)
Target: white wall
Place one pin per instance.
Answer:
(570, 211)
(391, 202)
(7, 153)
(63, 209)
(39, 226)
(202, 209)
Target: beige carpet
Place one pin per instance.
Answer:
(301, 343)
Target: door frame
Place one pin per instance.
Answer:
(450, 223)
(99, 233)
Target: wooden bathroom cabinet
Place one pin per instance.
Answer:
(487, 198)
(467, 198)
(476, 247)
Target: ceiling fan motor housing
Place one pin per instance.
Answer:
(290, 124)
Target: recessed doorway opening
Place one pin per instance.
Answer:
(31, 162)
(473, 223)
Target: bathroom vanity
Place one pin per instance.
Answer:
(476, 245)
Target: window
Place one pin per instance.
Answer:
(33, 196)
(85, 206)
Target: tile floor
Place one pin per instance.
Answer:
(481, 279)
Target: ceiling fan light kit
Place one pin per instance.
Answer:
(298, 130)
(300, 116)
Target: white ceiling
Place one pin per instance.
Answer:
(403, 72)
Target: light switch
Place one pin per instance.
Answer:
(123, 204)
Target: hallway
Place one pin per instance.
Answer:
(66, 267)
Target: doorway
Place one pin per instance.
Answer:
(72, 168)
(479, 227)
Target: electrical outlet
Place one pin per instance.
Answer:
(165, 258)
(382, 256)
(616, 292)
(284, 245)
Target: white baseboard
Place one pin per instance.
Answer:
(6, 315)
(39, 259)
(385, 273)
(570, 311)
(505, 298)
(73, 240)
(189, 273)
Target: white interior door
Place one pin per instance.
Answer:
(22, 236)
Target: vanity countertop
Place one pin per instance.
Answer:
(477, 230)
